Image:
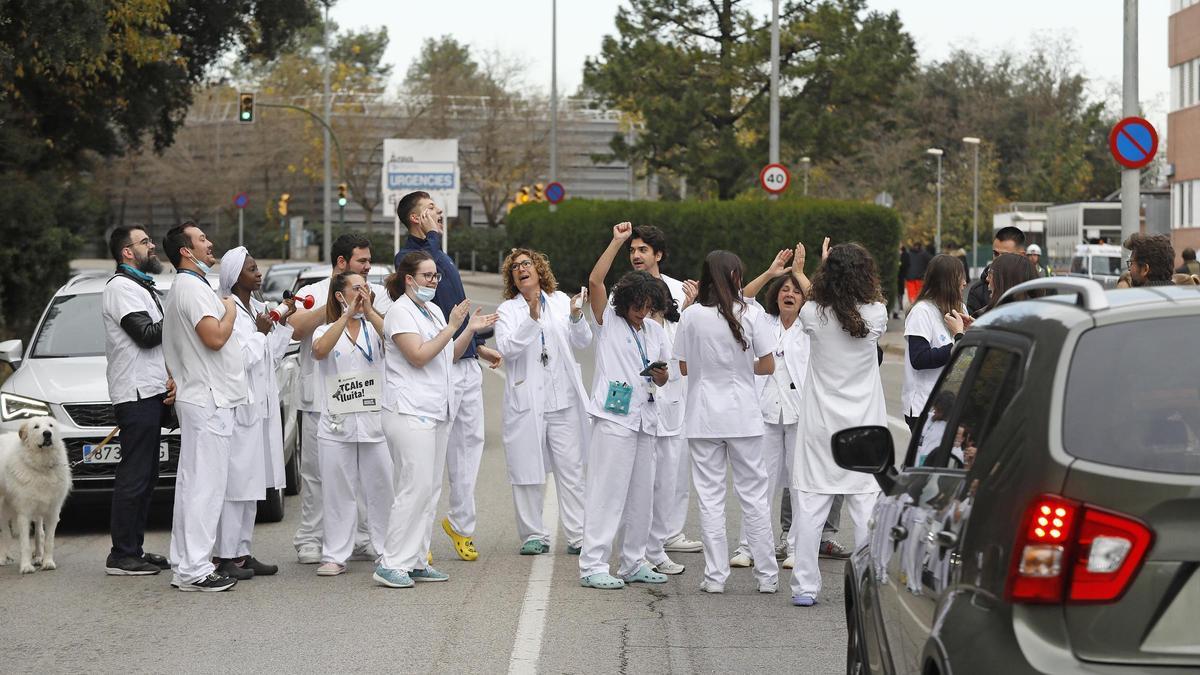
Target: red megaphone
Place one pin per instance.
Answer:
(307, 301)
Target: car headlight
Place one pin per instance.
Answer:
(13, 407)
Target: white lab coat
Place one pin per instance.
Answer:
(256, 453)
(518, 339)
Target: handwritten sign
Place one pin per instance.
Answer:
(353, 393)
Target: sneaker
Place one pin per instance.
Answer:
(710, 587)
(157, 560)
(463, 546)
(768, 586)
(741, 560)
(803, 600)
(309, 554)
(781, 551)
(392, 578)
(331, 569)
(681, 544)
(229, 568)
(428, 574)
(129, 567)
(261, 569)
(669, 566)
(213, 583)
(832, 549)
(789, 562)
(574, 550)
(645, 575)
(365, 553)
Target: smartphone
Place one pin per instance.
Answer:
(582, 297)
(652, 366)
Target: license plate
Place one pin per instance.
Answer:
(111, 453)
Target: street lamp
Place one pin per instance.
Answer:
(937, 238)
(971, 140)
(805, 162)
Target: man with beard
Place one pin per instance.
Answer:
(1151, 259)
(140, 390)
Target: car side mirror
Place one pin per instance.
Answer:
(867, 449)
(11, 352)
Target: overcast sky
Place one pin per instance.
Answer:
(522, 30)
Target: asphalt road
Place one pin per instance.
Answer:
(503, 612)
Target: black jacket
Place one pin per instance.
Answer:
(144, 331)
(978, 295)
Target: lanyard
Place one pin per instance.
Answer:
(641, 351)
(196, 274)
(369, 352)
(426, 313)
(242, 307)
(545, 354)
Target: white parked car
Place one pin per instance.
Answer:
(62, 375)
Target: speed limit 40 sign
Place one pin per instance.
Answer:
(774, 178)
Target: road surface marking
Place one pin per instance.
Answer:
(527, 643)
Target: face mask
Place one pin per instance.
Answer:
(425, 293)
(346, 310)
(204, 269)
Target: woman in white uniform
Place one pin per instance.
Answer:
(631, 360)
(844, 318)
(927, 341)
(256, 450)
(354, 456)
(545, 404)
(779, 392)
(722, 344)
(418, 401)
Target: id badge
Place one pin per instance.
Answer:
(619, 396)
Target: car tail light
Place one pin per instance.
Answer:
(1073, 552)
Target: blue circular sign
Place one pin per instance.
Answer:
(555, 192)
(1133, 142)
(241, 199)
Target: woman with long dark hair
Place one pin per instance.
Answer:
(722, 343)
(928, 342)
(844, 318)
(1006, 271)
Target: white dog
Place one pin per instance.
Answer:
(34, 482)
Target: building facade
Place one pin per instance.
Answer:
(1183, 123)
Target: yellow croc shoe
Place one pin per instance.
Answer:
(462, 545)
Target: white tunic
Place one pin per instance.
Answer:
(309, 389)
(924, 320)
(202, 376)
(262, 355)
(619, 359)
(843, 390)
(427, 391)
(779, 393)
(519, 341)
(722, 396)
(133, 372)
(363, 355)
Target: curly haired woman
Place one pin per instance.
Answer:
(844, 318)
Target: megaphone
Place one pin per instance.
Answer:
(307, 301)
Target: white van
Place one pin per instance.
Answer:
(1101, 262)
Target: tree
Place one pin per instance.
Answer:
(694, 76)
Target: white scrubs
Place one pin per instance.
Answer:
(418, 405)
(464, 450)
(725, 426)
(924, 320)
(209, 385)
(843, 390)
(309, 531)
(356, 465)
(670, 453)
(546, 425)
(676, 446)
(620, 477)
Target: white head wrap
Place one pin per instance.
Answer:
(231, 269)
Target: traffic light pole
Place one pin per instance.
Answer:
(553, 93)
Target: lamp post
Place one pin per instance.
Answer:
(327, 239)
(937, 237)
(773, 136)
(805, 162)
(553, 94)
(971, 140)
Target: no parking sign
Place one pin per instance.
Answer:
(1133, 142)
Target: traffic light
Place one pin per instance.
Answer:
(539, 192)
(246, 107)
(283, 203)
(342, 201)
(522, 195)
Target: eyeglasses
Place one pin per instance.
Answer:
(522, 264)
(1129, 263)
(430, 276)
(147, 242)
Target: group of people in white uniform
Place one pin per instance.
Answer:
(691, 379)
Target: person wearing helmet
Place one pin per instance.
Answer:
(1034, 253)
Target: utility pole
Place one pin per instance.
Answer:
(1130, 187)
(937, 237)
(553, 95)
(328, 109)
(971, 140)
(773, 152)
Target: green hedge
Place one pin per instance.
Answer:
(575, 235)
(488, 244)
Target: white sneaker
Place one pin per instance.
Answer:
(768, 586)
(364, 553)
(331, 569)
(668, 566)
(709, 587)
(681, 544)
(789, 562)
(309, 554)
(741, 560)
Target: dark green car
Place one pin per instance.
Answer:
(1055, 527)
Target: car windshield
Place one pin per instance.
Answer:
(1133, 396)
(1106, 265)
(73, 327)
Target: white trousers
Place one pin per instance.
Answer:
(778, 448)
(620, 489)
(465, 448)
(354, 473)
(744, 455)
(311, 530)
(677, 517)
(199, 488)
(418, 447)
(809, 512)
(235, 529)
(564, 444)
(668, 451)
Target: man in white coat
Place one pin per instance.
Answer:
(546, 423)
(211, 379)
(256, 453)
(350, 253)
